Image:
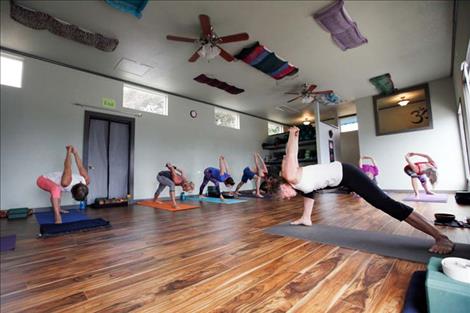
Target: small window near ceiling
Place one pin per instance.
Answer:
(11, 71)
(274, 129)
(348, 124)
(145, 100)
(227, 118)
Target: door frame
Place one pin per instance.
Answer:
(89, 115)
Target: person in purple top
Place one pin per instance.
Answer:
(217, 176)
(371, 170)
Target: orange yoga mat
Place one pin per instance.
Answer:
(167, 206)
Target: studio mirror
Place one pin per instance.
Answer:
(405, 110)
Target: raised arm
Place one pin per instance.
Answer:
(290, 164)
(67, 173)
(81, 169)
(410, 162)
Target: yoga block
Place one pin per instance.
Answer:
(17, 213)
(443, 293)
(462, 198)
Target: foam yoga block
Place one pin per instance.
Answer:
(415, 299)
(442, 198)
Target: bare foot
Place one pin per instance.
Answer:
(58, 219)
(157, 201)
(64, 211)
(259, 195)
(302, 221)
(430, 193)
(442, 246)
(417, 195)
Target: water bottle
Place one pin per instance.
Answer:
(182, 196)
(82, 205)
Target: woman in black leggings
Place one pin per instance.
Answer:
(306, 180)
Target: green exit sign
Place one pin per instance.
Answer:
(108, 103)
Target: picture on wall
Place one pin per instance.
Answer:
(405, 110)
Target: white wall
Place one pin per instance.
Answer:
(38, 120)
(442, 142)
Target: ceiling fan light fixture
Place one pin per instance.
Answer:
(306, 122)
(403, 102)
(307, 99)
(209, 51)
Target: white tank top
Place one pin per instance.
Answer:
(319, 176)
(56, 177)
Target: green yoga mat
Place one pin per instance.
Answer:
(395, 246)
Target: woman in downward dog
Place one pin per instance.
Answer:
(217, 176)
(306, 180)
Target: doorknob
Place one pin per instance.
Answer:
(91, 167)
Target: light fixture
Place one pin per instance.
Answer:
(306, 122)
(209, 51)
(307, 99)
(403, 102)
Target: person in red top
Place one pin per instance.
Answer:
(421, 172)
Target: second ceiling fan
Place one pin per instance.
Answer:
(307, 93)
(209, 41)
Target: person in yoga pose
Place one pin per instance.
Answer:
(421, 172)
(216, 176)
(306, 180)
(371, 170)
(171, 178)
(259, 172)
(57, 182)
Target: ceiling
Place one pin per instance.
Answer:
(409, 39)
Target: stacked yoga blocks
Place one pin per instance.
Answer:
(445, 294)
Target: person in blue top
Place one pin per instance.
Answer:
(258, 172)
(216, 176)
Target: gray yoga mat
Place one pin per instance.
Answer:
(395, 246)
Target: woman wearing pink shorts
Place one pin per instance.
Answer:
(57, 182)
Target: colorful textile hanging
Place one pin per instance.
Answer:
(266, 61)
(344, 31)
(133, 7)
(40, 20)
(383, 83)
(218, 84)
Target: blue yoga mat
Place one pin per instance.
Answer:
(72, 216)
(48, 230)
(215, 200)
(7, 243)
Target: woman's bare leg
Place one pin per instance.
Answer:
(306, 218)
(443, 244)
(415, 184)
(426, 188)
(56, 207)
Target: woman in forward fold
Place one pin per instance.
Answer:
(258, 172)
(57, 182)
(171, 178)
(313, 177)
(421, 172)
(216, 176)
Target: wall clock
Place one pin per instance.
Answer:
(193, 113)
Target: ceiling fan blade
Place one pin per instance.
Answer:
(292, 100)
(178, 38)
(323, 92)
(291, 93)
(311, 88)
(205, 22)
(234, 38)
(195, 56)
(227, 56)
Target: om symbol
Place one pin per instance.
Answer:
(419, 115)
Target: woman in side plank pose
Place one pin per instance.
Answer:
(258, 172)
(171, 178)
(216, 176)
(307, 179)
(421, 172)
(57, 182)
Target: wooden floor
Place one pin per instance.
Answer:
(213, 259)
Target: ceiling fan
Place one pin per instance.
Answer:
(210, 42)
(307, 94)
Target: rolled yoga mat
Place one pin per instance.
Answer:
(423, 197)
(395, 246)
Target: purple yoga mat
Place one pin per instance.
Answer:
(7, 243)
(427, 198)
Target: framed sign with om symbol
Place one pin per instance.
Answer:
(405, 110)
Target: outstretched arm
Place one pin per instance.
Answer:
(290, 165)
(410, 162)
(427, 157)
(67, 173)
(81, 169)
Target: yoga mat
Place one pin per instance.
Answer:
(427, 198)
(395, 246)
(167, 206)
(7, 243)
(48, 230)
(252, 196)
(215, 200)
(415, 299)
(72, 216)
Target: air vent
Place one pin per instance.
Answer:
(132, 67)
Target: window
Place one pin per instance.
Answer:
(144, 100)
(348, 124)
(274, 129)
(227, 118)
(11, 71)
